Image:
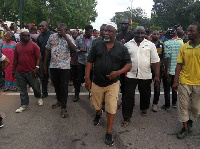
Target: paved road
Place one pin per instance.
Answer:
(43, 128)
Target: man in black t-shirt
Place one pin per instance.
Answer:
(124, 36)
(109, 58)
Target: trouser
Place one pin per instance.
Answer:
(44, 78)
(157, 89)
(80, 77)
(122, 84)
(169, 83)
(144, 87)
(188, 102)
(60, 79)
(22, 80)
(74, 73)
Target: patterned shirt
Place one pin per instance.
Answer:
(83, 43)
(171, 49)
(60, 51)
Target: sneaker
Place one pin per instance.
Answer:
(40, 102)
(108, 139)
(22, 108)
(174, 105)
(183, 133)
(154, 108)
(189, 124)
(1, 122)
(97, 118)
(165, 108)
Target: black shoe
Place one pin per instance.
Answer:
(108, 139)
(165, 108)
(183, 133)
(1, 122)
(189, 124)
(76, 98)
(97, 119)
(174, 105)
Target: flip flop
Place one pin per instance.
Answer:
(125, 123)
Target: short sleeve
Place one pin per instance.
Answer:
(167, 51)
(2, 57)
(180, 56)
(48, 45)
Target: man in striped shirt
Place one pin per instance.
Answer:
(171, 50)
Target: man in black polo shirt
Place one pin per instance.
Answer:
(109, 58)
(124, 36)
(42, 41)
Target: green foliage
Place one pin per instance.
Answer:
(138, 17)
(153, 28)
(167, 13)
(75, 13)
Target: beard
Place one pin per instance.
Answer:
(107, 40)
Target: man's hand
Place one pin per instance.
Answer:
(175, 86)
(82, 50)
(88, 84)
(113, 75)
(62, 33)
(167, 74)
(156, 80)
(35, 72)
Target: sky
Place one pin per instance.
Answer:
(106, 9)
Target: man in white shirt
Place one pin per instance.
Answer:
(143, 55)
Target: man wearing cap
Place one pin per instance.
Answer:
(25, 68)
(109, 58)
(171, 50)
(143, 55)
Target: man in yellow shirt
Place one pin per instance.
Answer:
(188, 66)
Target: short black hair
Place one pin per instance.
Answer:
(88, 27)
(62, 25)
(197, 24)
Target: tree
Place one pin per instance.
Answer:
(167, 13)
(75, 13)
(139, 17)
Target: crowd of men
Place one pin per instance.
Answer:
(105, 60)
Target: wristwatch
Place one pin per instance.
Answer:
(37, 67)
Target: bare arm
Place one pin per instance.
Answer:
(5, 63)
(177, 72)
(115, 74)
(156, 68)
(88, 83)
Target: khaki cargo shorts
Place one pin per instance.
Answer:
(109, 94)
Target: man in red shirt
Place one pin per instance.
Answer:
(25, 68)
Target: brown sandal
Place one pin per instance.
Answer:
(125, 123)
(64, 113)
(58, 104)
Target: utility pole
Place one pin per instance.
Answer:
(131, 12)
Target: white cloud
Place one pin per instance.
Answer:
(107, 8)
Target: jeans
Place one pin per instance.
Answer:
(44, 78)
(60, 79)
(144, 87)
(22, 80)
